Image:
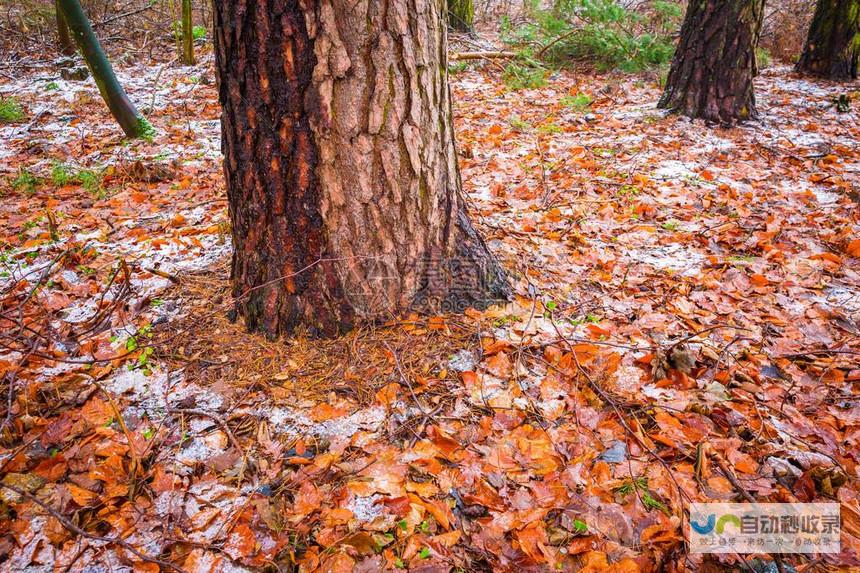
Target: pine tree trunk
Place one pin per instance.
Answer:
(832, 47)
(461, 15)
(121, 108)
(341, 171)
(187, 34)
(713, 69)
(64, 39)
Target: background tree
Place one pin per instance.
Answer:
(64, 39)
(341, 171)
(714, 65)
(461, 15)
(832, 46)
(121, 107)
(187, 33)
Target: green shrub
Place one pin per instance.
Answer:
(602, 32)
(10, 110)
(198, 32)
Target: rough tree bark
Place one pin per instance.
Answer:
(713, 68)
(64, 39)
(832, 48)
(341, 170)
(132, 123)
(461, 15)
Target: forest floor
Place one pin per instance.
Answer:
(685, 329)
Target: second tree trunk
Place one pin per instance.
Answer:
(833, 46)
(713, 69)
(461, 14)
(341, 171)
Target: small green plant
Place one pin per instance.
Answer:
(198, 32)
(519, 124)
(25, 182)
(762, 58)
(579, 102)
(670, 225)
(457, 67)
(52, 86)
(518, 76)
(10, 110)
(549, 128)
(61, 175)
(628, 190)
(92, 182)
(587, 319)
(641, 485)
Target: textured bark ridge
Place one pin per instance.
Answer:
(832, 47)
(713, 69)
(340, 163)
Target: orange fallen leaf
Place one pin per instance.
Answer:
(241, 542)
(82, 496)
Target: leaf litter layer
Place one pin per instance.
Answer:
(685, 329)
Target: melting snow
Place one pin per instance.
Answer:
(365, 509)
(463, 361)
(673, 170)
(845, 298)
(676, 258)
(151, 393)
(290, 420)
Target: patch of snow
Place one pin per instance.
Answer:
(826, 197)
(673, 170)
(628, 379)
(365, 509)
(150, 392)
(843, 297)
(709, 143)
(290, 420)
(675, 258)
(80, 311)
(200, 449)
(463, 361)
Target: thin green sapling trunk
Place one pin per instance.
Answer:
(187, 34)
(121, 107)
